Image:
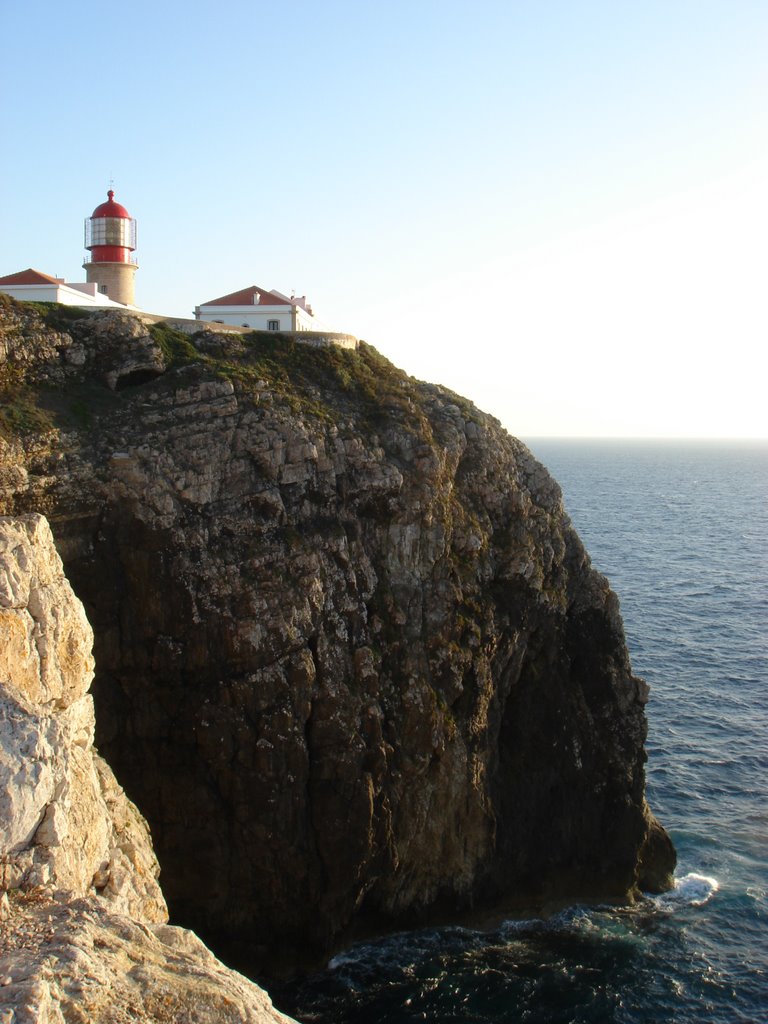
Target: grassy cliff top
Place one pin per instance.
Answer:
(62, 367)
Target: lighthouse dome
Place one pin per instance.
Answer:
(111, 208)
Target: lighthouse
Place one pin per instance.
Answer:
(110, 237)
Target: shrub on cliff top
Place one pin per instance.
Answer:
(177, 348)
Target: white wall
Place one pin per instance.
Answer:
(67, 295)
(292, 318)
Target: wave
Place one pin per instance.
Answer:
(692, 890)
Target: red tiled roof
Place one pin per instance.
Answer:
(245, 298)
(30, 276)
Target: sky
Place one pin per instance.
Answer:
(557, 209)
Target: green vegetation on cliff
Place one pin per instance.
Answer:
(313, 380)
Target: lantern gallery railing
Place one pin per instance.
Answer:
(126, 258)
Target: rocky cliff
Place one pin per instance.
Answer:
(83, 932)
(353, 663)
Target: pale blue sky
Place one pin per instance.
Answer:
(558, 209)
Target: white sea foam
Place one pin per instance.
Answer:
(692, 890)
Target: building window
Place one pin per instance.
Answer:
(273, 325)
(103, 289)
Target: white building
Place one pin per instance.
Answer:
(265, 311)
(35, 286)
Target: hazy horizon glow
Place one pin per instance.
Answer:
(559, 211)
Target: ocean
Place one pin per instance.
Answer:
(681, 531)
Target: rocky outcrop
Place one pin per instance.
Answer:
(83, 932)
(70, 961)
(64, 821)
(354, 664)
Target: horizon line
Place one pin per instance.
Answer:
(754, 439)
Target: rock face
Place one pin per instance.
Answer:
(354, 664)
(64, 821)
(83, 933)
(70, 961)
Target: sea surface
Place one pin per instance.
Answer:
(681, 531)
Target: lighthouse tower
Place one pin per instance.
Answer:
(110, 236)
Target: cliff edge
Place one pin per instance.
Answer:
(353, 662)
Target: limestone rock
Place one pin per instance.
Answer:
(75, 961)
(64, 821)
(352, 660)
(45, 639)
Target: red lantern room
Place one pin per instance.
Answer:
(110, 236)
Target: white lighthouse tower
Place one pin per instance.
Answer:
(110, 237)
